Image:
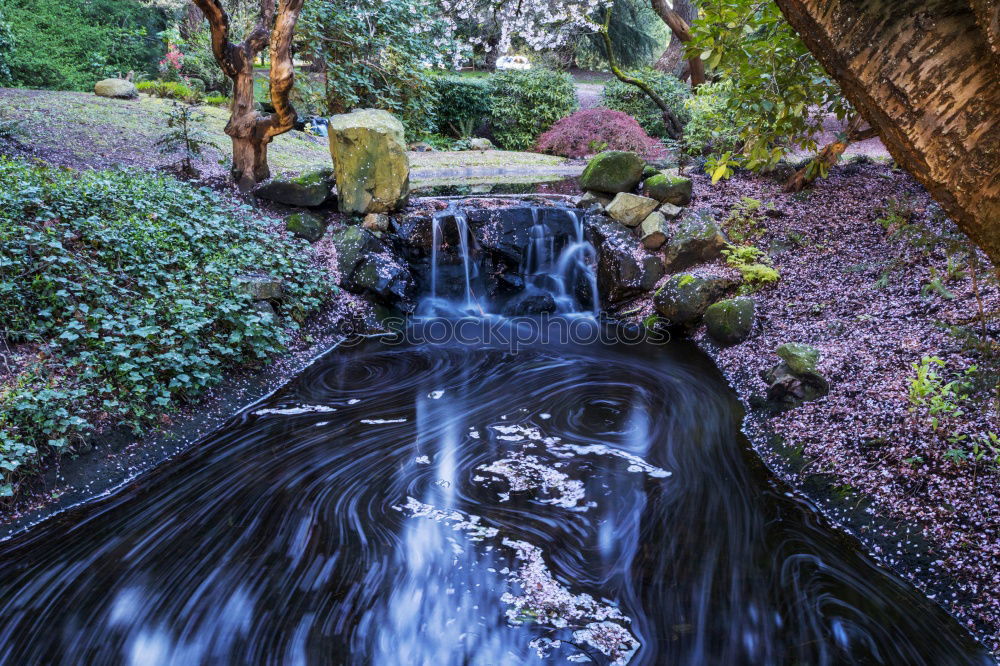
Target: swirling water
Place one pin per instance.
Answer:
(458, 503)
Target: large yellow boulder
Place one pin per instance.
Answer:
(116, 89)
(369, 160)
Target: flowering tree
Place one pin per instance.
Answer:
(541, 24)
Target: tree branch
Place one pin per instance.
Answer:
(282, 69)
(223, 50)
(682, 31)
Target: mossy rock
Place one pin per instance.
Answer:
(667, 188)
(684, 298)
(730, 321)
(801, 358)
(116, 89)
(306, 225)
(309, 190)
(612, 172)
(697, 239)
(369, 157)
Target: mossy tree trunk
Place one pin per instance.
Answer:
(925, 74)
(250, 130)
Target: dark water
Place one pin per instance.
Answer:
(334, 524)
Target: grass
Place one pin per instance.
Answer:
(82, 130)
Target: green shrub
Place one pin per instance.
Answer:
(462, 104)
(523, 105)
(71, 44)
(754, 266)
(712, 126)
(170, 90)
(626, 97)
(217, 100)
(128, 284)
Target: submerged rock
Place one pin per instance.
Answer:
(309, 190)
(668, 188)
(697, 239)
(730, 321)
(116, 89)
(306, 225)
(369, 157)
(530, 304)
(612, 172)
(683, 300)
(631, 209)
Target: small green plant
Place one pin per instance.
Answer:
(754, 266)
(217, 100)
(9, 128)
(934, 285)
(928, 391)
(745, 223)
(170, 90)
(185, 137)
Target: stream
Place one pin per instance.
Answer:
(444, 496)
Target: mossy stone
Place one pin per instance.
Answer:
(306, 225)
(369, 157)
(696, 239)
(801, 358)
(667, 188)
(730, 321)
(308, 190)
(612, 172)
(684, 298)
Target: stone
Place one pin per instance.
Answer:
(588, 200)
(668, 189)
(631, 209)
(369, 157)
(670, 211)
(421, 147)
(306, 225)
(624, 269)
(376, 222)
(530, 303)
(260, 287)
(309, 190)
(116, 89)
(801, 358)
(653, 231)
(684, 298)
(366, 266)
(730, 321)
(696, 239)
(480, 144)
(649, 171)
(612, 172)
(787, 389)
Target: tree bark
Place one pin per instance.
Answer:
(249, 129)
(830, 154)
(681, 30)
(926, 75)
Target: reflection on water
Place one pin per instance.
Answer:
(444, 504)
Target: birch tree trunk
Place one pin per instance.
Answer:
(926, 75)
(250, 130)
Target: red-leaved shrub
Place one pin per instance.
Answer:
(591, 131)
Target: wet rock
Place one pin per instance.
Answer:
(376, 222)
(309, 190)
(612, 172)
(116, 89)
(697, 239)
(260, 287)
(683, 300)
(801, 358)
(631, 209)
(624, 269)
(669, 189)
(531, 303)
(649, 171)
(481, 144)
(306, 225)
(367, 266)
(590, 199)
(369, 157)
(670, 211)
(653, 231)
(730, 321)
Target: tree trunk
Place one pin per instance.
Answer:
(250, 130)
(681, 29)
(926, 75)
(830, 155)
